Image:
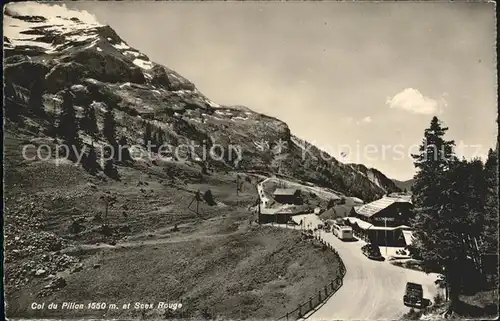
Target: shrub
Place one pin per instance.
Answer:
(206, 313)
(331, 203)
(76, 227)
(106, 230)
(209, 198)
(412, 315)
(125, 229)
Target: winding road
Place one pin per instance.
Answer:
(372, 290)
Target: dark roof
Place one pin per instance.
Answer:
(337, 211)
(285, 191)
(360, 223)
(373, 208)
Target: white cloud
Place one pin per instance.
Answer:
(413, 101)
(367, 119)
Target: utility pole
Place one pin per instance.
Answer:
(197, 202)
(197, 199)
(258, 214)
(106, 204)
(107, 210)
(108, 201)
(385, 224)
(385, 230)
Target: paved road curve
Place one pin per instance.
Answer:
(372, 290)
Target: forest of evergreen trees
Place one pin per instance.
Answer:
(455, 205)
(67, 130)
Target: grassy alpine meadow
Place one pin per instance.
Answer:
(224, 267)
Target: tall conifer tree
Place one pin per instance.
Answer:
(109, 128)
(438, 222)
(68, 128)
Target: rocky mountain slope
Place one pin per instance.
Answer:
(377, 178)
(404, 185)
(103, 72)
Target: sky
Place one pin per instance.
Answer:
(361, 80)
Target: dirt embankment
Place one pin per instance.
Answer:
(243, 271)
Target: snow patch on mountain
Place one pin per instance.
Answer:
(132, 53)
(24, 21)
(121, 46)
(55, 14)
(212, 104)
(143, 63)
(239, 118)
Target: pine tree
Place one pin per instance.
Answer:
(147, 134)
(154, 135)
(160, 137)
(89, 121)
(124, 151)
(35, 102)
(110, 169)
(434, 158)
(91, 160)
(109, 166)
(11, 107)
(204, 168)
(491, 203)
(9, 91)
(68, 129)
(440, 210)
(475, 196)
(109, 128)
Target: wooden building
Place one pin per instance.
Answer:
(288, 196)
(383, 221)
(274, 216)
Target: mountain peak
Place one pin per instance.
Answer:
(70, 50)
(54, 35)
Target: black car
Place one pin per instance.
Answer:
(414, 295)
(372, 252)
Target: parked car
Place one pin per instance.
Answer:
(372, 252)
(414, 295)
